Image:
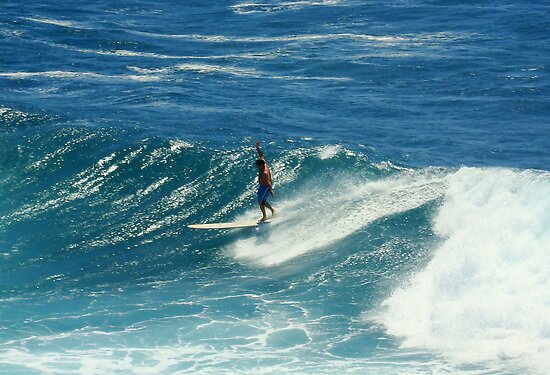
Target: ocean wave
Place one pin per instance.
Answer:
(199, 68)
(57, 74)
(139, 197)
(154, 55)
(377, 40)
(9, 33)
(483, 296)
(250, 7)
(56, 22)
(294, 38)
(11, 118)
(229, 70)
(320, 215)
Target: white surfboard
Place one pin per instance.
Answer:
(241, 224)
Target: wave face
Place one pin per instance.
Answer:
(112, 191)
(408, 142)
(100, 273)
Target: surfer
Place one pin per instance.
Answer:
(264, 179)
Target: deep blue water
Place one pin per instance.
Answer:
(408, 142)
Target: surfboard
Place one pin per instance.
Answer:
(234, 225)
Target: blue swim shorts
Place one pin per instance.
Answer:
(263, 191)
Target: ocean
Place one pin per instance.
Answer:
(409, 146)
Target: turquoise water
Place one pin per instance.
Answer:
(408, 142)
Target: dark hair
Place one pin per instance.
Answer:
(260, 162)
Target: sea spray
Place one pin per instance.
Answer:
(484, 296)
(320, 214)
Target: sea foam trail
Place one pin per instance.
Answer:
(321, 215)
(484, 297)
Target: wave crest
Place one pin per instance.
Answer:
(484, 295)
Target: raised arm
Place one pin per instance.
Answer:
(260, 154)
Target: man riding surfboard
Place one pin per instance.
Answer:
(264, 180)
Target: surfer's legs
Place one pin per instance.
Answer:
(262, 197)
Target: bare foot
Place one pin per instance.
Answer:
(273, 212)
(263, 219)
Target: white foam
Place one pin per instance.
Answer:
(250, 7)
(289, 38)
(318, 216)
(79, 75)
(328, 152)
(7, 33)
(11, 114)
(52, 21)
(154, 55)
(211, 68)
(204, 68)
(484, 297)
